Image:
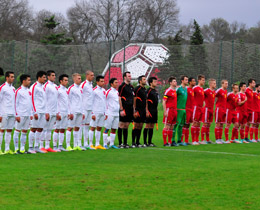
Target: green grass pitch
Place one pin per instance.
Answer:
(192, 177)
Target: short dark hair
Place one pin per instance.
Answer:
(24, 77)
(183, 77)
(257, 85)
(171, 78)
(49, 72)
(40, 74)
(241, 84)
(140, 78)
(235, 84)
(111, 81)
(127, 72)
(190, 79)
(99, 77)
(250, 81)
(61, 77)
(7, 74)
(200, 76)
(151, 79)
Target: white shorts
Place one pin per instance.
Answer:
(23, 124)
(112, 122)
(49, 125)
(8, 122)
(99, 122)
(88, 115)
(63, 123)
(77, 121)
(40, 123)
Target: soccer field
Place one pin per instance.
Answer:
(192, 177)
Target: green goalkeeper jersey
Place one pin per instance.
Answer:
(182, 96)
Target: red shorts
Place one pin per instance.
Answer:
(208, 116)
(220, 115)
(172, 117)
(189, 115)
(231, 116)
(242, 118)
(252, 117)
(198, 114)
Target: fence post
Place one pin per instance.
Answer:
(124, 57)
(26, 57)
(232, 63)
(220, 63)
(110, 45)
(13, 52)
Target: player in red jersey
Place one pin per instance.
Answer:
(209, 111)
(189, 109)
(231, 115)
(170, 111)
(250, 107)
(220, 112)
(198, 111)
(257, 91)
(242, 111)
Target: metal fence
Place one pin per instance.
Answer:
(235, 61)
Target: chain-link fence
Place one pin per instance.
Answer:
(235, 61)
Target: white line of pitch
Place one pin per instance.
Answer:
(210, 152)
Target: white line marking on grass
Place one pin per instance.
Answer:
(210, 152)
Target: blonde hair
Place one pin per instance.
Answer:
(75, 74)
(223, 81)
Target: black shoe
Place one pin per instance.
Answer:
(133, 146)
(151, 145)
(121, 146)
(167, 145)
(145, 145)
(126, 146)
(189, 143)
(139, 145)
(174, 144)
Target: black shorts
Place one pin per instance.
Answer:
(141, 116)
(153, 117)
(129, 114)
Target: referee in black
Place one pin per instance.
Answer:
(126, 100)
(152, 98)
(139, 111)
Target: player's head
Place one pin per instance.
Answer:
(89, 75)
(25, 80)
(224, 84)
(76, 78)
(142, 80)
(257, 87)
(173, 82)
(100, 80)
(9, 77)
(184, 80)
(113, 83)
(51, 75)
(152, 81)
(192, 81)
(212, 83)
(201, 80)
(41, 76)
(127, 77)
(64, 79)
(251, 83)
(235, 88)
(242, 86)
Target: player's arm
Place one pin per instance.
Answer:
(240, 103)
(164, 105)
(16, 104)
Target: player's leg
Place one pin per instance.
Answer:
(181, 123)
(7, 126)
(16, 135)
(112, 138)
(85, 128)
(1, 141)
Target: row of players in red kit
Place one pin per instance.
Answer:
(240, 107)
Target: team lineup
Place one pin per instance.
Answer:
(82, 111)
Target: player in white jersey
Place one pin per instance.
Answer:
(23, 111)
(62, 117)
(112, 112)
(39, 113)
(51, 92)
(7, 111)
(87, 89)
(75, 111)
(98, 113)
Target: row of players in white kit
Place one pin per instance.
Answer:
(47, 106)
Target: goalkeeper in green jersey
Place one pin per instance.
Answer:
(182, 96)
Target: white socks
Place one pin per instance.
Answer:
(90, 135)
(105, 139)
(23, 141)
(68, 137)
(85, 134)
(31, 139)
(1, 139)
(61, 138)
(97, 136)
(47, 139)
(37, 139)
(75, 138)
(7, 140)
(112, 139)
(16, 140)
(55, 138)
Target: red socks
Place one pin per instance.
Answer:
(207, 133)
(246, 131)
(251, 133)
(197, 133)
(203, 132)
(193, 133)
(242, 133)
(185, 133)
(256, 133)
(226, 133)
(233, 134)
(217, 133)
(165, 134)
(170, 136)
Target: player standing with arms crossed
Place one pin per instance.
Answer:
(126, 100)
(209, 111)
(23, 109)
